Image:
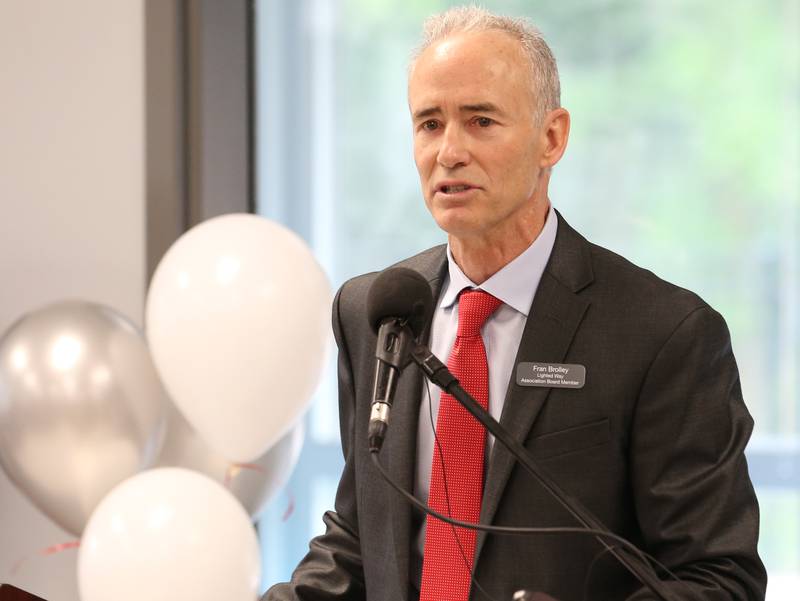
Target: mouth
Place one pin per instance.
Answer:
(454, 188)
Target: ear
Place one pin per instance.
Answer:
(555, 133)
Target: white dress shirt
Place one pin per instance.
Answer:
(515, 284)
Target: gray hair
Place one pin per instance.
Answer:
(462, 19)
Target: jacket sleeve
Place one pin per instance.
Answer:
(332, 569)
(694, 500)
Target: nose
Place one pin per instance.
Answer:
(453, 151)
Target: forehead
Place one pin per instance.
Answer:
(474, 66)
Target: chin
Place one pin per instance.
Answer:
(457, 226)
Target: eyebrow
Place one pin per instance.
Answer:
(481, 107)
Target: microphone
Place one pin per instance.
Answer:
(399, 306)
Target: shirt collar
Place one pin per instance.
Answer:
(516, 283)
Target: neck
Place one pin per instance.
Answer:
(483, 255)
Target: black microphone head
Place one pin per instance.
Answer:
(400, 292)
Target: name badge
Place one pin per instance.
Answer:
(552, 375)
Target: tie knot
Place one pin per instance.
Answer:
(474, 308)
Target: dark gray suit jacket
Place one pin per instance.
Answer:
(652, 444)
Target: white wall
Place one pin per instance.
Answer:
(72, 201)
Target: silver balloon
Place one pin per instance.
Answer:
(254, 483)
(81, 407)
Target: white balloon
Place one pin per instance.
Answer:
(254, 484)
(237, 318)
(169, 534)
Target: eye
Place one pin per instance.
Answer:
(429, 125)
(483, 121)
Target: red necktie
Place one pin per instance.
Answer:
(445, 575)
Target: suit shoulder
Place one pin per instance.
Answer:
(352, 295)
(619, 278)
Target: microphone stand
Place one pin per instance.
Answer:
(438, 373)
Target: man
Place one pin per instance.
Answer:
(651, 439)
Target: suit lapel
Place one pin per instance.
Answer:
(554, 317)
(400, 450)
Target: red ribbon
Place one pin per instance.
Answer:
(51, 550)
(289, 508)
(234, 469)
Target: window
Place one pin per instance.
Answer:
(683, 157)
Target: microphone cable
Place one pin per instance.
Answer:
(622, 543)
(594, 561)
(522, 530)
(474, 580)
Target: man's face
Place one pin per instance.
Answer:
(477, 146)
